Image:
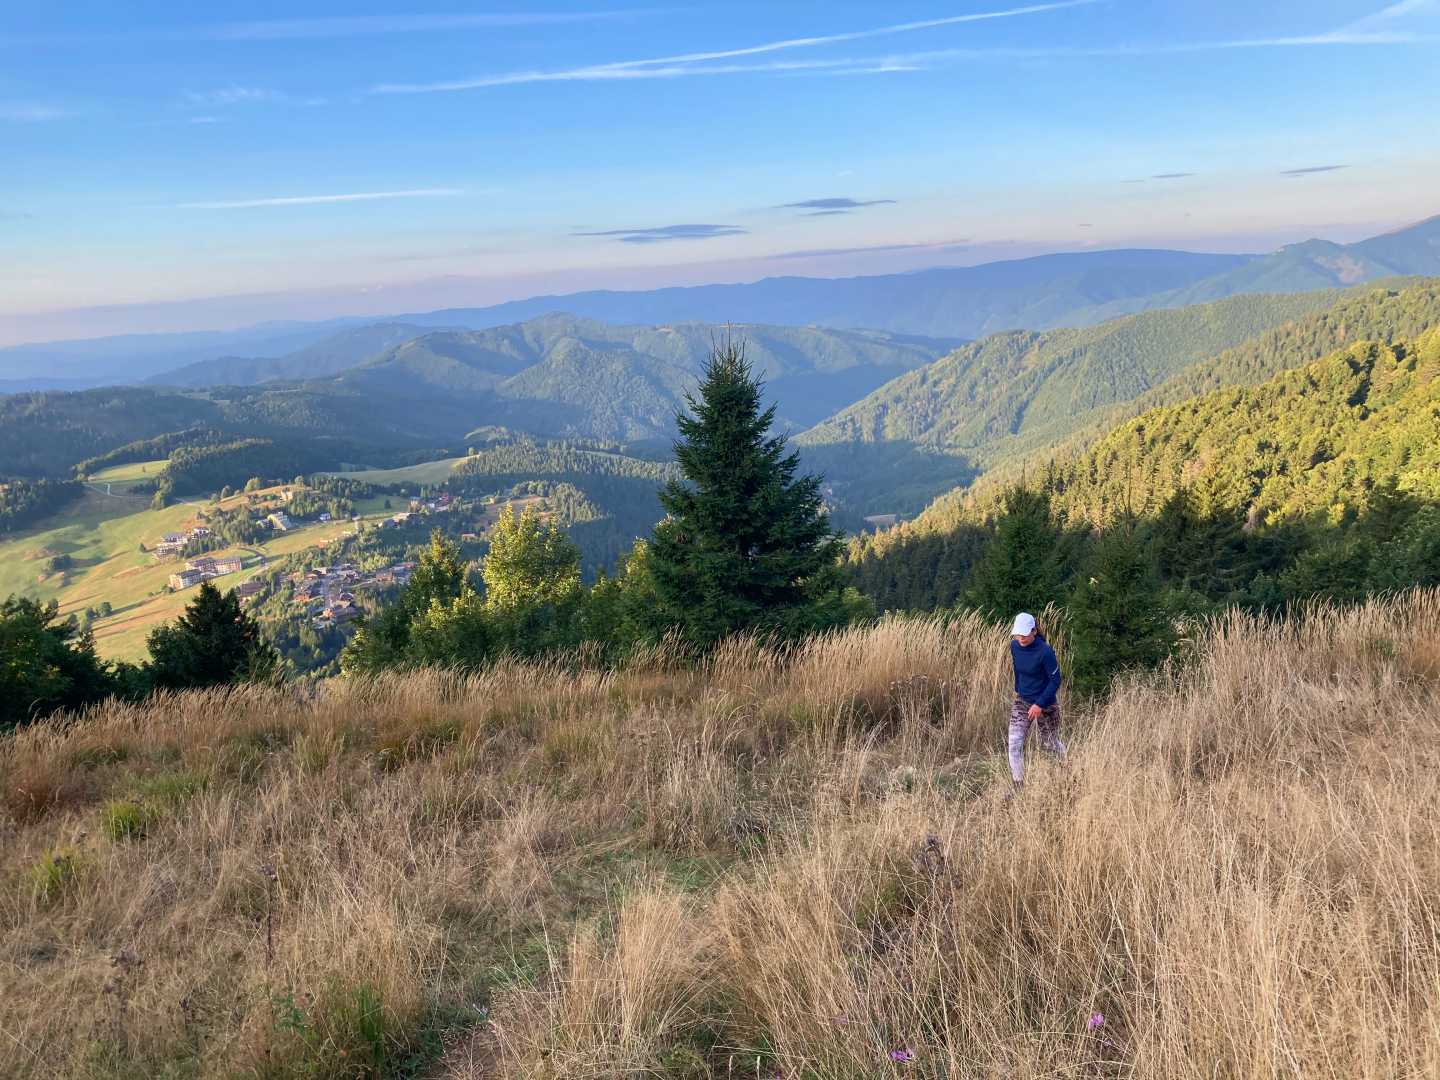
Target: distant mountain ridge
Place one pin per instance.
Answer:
(562, 375)
(967, 302)
(556, 376)
(330, 355)
(1038, 293)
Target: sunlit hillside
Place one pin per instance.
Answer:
(798, 864)
(105, 543)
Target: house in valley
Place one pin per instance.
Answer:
(185, 579)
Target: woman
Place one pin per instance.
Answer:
(1037, 681)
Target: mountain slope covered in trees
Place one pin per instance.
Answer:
(1325, 477)
(1315, 441)
(1010, 383)
(564, 375)
(999, 402)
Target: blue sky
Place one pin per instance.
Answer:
(178, 166)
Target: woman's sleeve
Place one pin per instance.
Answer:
(1052, 685)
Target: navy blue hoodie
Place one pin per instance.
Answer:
(1037, 672)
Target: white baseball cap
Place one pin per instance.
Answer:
(1024, 625)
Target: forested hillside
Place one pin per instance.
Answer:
(1318, 467)
(618, 495)
(569, 376)
(1000, 402)
(1318, 441)
(1034, 386)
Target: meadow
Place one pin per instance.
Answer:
(119, 478)
(800, 863)
(429, 472)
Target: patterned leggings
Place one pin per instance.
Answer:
(1049, 725)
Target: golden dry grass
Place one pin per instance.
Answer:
(787, 863)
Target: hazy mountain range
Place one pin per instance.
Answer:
(554, 376)
(1077, 289)
(561, 375)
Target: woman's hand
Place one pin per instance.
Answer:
(1035, 712)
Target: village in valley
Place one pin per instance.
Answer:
(329, 595)
(309, 557)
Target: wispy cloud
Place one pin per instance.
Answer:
(834, 204)
(1410, 22)
(363, 25)
(310, 200)
(1312, 169)
(613, 73)
(662, 233)
(1160, 176)
(331, 27)
(227, 96)
(694, 63)
(818, 253)
(32, 112)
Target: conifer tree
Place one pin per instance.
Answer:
(212, 644)
(1020, 568)
(46, 663)
(1116, 619)
(746, 544)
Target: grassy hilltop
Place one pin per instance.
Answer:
(786, 865)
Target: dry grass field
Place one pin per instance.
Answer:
(805, 864)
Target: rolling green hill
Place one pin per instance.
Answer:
(1267, 474)
(562, 375)
(999, 402)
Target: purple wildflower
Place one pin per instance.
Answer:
(1097, 1020)
(903, 1056)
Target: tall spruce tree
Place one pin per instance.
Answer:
(212, 644)
(746, 544)
(1021, 567)
(1117, 621)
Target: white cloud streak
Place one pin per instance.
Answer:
(227, 96)
(681, 64)
(362, 25)
(1395, 25)
(311, 200)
